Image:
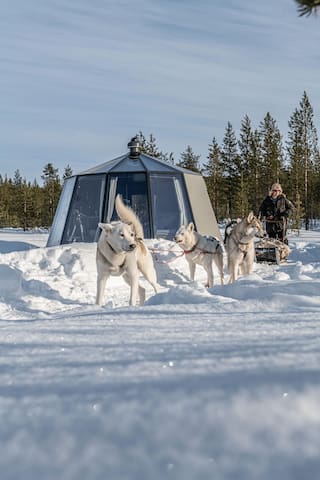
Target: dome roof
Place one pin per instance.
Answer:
(141, 163)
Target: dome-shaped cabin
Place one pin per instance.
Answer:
(163, 196)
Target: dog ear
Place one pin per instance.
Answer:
(190, 227)
(106, 227)
(250, 217)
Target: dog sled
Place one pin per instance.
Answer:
(272, 250)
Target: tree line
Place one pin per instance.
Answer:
(28, 205)
(238, 172)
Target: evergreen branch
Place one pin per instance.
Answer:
(307, 7)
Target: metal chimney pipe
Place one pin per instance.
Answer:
(134, 147)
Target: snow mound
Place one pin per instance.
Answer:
(43, 281)
(10, 282)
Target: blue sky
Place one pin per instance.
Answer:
(79, 79)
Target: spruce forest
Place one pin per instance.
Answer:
(238, 172)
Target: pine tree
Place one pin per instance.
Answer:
(231, 174)
(150, 147)
(17, 201)
(51, 191)
(302, 147)
(167, 157)
(212, 172)
(36, 198)
(246, 179)
(28, 220)
(316, 189)
(189, 160)
(256, 192)
(4, 194)
(271, 151)
(295, 154)
(67, 172)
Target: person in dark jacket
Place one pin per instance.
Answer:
(276, 209)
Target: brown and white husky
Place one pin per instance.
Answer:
(239, 245)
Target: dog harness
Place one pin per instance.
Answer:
(210, 239)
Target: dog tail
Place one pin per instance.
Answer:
(127, 215)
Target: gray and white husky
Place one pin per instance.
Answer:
(200, 250)
(239, 245)
(121, 251)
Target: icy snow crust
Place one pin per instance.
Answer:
(196, 385)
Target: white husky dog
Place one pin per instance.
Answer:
(239, 245)
(121, 251)
(200, 250)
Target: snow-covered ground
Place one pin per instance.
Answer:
(198, 384)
